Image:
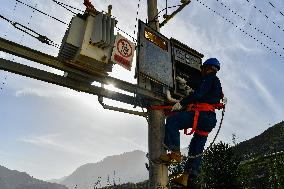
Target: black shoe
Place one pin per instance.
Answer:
(192, 182)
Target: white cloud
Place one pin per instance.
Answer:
(133, 142)
(55, 143)
(268, 97)
(45, 92)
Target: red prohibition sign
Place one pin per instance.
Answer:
(124, 48)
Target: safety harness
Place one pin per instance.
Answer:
(196, 108)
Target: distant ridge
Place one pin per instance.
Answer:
(11, 179)
(268, 142)
(123, 168)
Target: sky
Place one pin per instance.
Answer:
(48, 131)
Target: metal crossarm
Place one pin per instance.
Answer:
(48, 60)
(35, 73)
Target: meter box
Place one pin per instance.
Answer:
(154, 59)
(166, 65)
(186, 67)
(88, 43)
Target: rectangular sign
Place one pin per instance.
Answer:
(123, 52)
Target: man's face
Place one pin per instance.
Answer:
(205, 69)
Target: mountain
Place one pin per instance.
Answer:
(130, 166)
(11, 179)
(268, 142)
(57, 180)
(123, 168)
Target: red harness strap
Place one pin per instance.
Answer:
(197, 108)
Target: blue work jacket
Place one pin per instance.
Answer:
(209, 91)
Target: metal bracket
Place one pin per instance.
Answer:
(168, 17)
(105, 106)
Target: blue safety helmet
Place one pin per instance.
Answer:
(213, 62)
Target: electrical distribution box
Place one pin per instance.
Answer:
(186, 65)
(88, 43)
(166, 64)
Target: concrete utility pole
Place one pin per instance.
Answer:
(158, 173)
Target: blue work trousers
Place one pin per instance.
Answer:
(184, 120)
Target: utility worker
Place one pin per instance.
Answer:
(199, 102)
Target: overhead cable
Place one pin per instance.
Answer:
(267, 17)
(166, 8)
(243, 31)
(136, 19)
(250, 24)
(5, 77)
(275, 8)
(29, 21)
(168, 17)
(68, 7)
(42, 12)
(31, 32)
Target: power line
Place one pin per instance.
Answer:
(35, 9)
(31, 32)
(267, 17)
(243, 31)
(41, 38)
(6, 75)
(27, 24)
(275, 8)
(250, 24)
(67, 7)
(119, 29)
(166, 8)
(136, 19)
(4, 82)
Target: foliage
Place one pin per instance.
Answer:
(219, 168)
(263, 172)
(140, 185)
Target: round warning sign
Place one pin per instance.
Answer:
(124, 48)
(123, 52)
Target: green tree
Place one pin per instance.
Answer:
(219, 168)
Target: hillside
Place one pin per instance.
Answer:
(127, 167)
(130, 166)
(268, 142)
(11, 179)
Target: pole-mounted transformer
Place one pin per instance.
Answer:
(88, 42)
